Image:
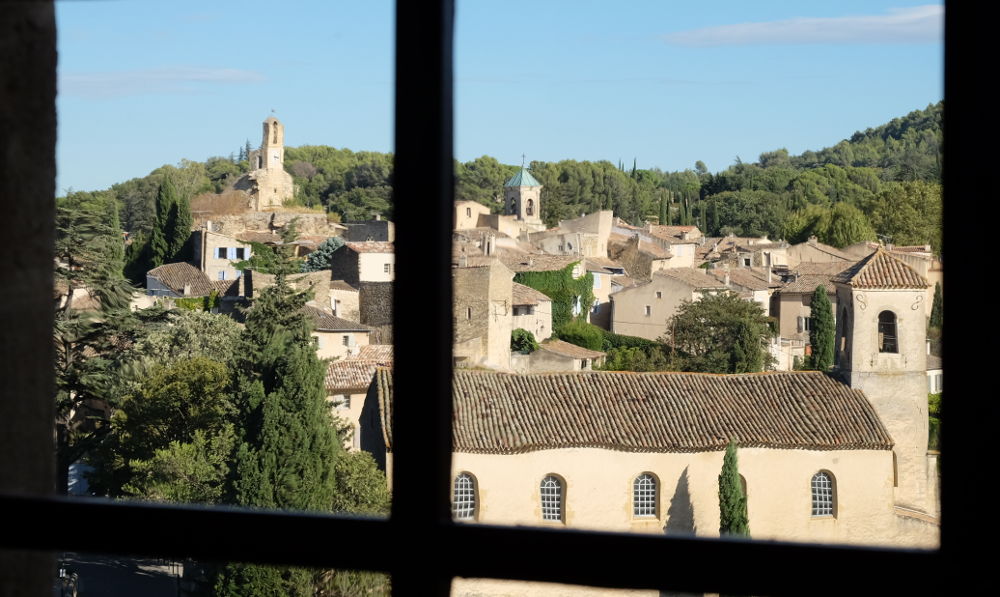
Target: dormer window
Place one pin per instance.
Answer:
(887, 340)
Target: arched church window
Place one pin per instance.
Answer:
(822, 494)
(552, 498)
(530, 210)
(887, 340)
(644, 496)
(463, 500)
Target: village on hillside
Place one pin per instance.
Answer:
(574, 404)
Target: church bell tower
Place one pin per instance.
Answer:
(272, 148)
(882, 350)
(523, 198)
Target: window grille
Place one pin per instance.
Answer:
(822, 495)
(551, 498)
(463, 501)
(644, 495)
(887, 341)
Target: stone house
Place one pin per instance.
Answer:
(642, 258)
(344, 300)
(468, 215)
(336, 337)
(532, 311)
(604, 271)
(734, 251)
(483, 315)
(587, 236)
(216, 253)
(347, 382)
(814, 251)
(368, 261)
(377, 230)
(177, 280)
(680, 241)
(645, 310)
(557, 355)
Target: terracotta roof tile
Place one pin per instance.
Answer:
(351, 374)
(752, 279)
(881, 270)
(526, 295)
(375, 352)
(566, 349)
(652, 412)
(370, 246)
(342, 285)
(227, 287)
(520, 262)
(675, 234)
(692, 276)
(176, 275)
(325, 322)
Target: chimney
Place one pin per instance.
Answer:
(685, 235)
(812, 240)
(187, 290)
(768, 276)
(727, 279)
(463, 261)
(377, 217)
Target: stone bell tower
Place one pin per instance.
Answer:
(523, 199)
(882, 350)
(267, 184)
(272, 147)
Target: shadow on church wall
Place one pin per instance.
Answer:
(680, 514)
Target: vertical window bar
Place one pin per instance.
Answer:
(423, 168)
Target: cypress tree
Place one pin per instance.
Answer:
(747, 356)
(166, 215)
(663, 211)
(937, 307)
(821, 336)
(732, 501)
(289, 447)
(181, 229)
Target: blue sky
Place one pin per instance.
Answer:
(144, 83)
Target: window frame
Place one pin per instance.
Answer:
(560, 485)
(641, 497)
(823, 495)
(472, 494)
(423, 109)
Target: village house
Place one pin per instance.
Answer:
(680, 241)
(557, 355)
(646, 309)
(468, 215)
(587, 236)
(814, 251)
(177, 280)
(791, 305)
(347, 382)
(368, 261)
(216, 253)
(532, 311)
(336, 338)
(641, 257)
(483, 314)
(734, 251)
(604, 271)
(344, 300)
(377, 230)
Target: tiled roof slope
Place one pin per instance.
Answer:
(326, 322)
(370, 246)
(563, 348)
(176, 275)
(526, 295)
(652, 412)
(881, 270)
(692, 276)
(356, 373)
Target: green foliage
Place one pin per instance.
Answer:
(152, 451)
(821, 336)
(937, 308)
(288, 446)
(567, 293)
(934, 421)
(161, 236)
(523, 341)
(733, 518)
(180, 248)
(360, 486)
(582, 334)
(613, 340)
(321, 257)
(651, 358)
(909, 213)
(198, 303)
(721, 333)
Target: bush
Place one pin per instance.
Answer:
(523, 341)
(582, 334)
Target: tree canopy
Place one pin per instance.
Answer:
(720, 333)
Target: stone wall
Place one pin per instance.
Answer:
(375, 303)
(308, 223)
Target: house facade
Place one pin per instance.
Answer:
(645, 310)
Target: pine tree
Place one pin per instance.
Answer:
(289, 447)
(732, 501)
(320, 259)
(821, 336)
(937, 308)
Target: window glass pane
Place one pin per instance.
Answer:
(567, 194)
(197, 143)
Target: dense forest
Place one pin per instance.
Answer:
(883, 183)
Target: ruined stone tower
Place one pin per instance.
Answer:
(268, 185)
